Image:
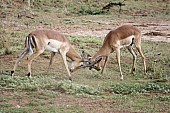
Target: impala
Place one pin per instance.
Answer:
(40, 40)
(124, 36)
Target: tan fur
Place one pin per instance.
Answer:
(49, 40)
(118, 38)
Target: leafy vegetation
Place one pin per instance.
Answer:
(23, 83)
(140, 88)
(73, 88)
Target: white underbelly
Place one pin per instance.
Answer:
(53, 45)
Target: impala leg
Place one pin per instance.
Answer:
(23, 54)
(143, 58)
(51, 60)
(134, 58)
(30, 59)
(118, 61)
(63, 55)
(105, 62)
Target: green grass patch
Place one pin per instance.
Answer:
(77, 89)
(23, 83)
(82, 40)
(126, 89)
(17, 110)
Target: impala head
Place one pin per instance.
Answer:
(75, 65)
(86, 61)
(80, 63)
(94, 62)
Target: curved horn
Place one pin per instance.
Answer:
(97, 60)
(88, 63)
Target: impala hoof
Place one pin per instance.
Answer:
(145, 74)
(29, 75)
(98, 68)
(12, 73)
(121, 78)
(70, 79)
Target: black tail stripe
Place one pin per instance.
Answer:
(34, 42)
(33, 39)
(26, 41)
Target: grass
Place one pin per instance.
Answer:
(134, 94)
(89, 91)
(90, 84)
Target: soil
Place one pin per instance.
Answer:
(155, 31)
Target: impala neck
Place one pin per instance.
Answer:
(103, 52)
(73, 55)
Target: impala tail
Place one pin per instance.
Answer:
(29, 45)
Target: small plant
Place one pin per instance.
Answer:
(91, 11)
(23, 83)
(164, 98)
(68, 21)
(73, 88)
(139, 88)
(85, 40)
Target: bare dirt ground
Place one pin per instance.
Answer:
(153, 31)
